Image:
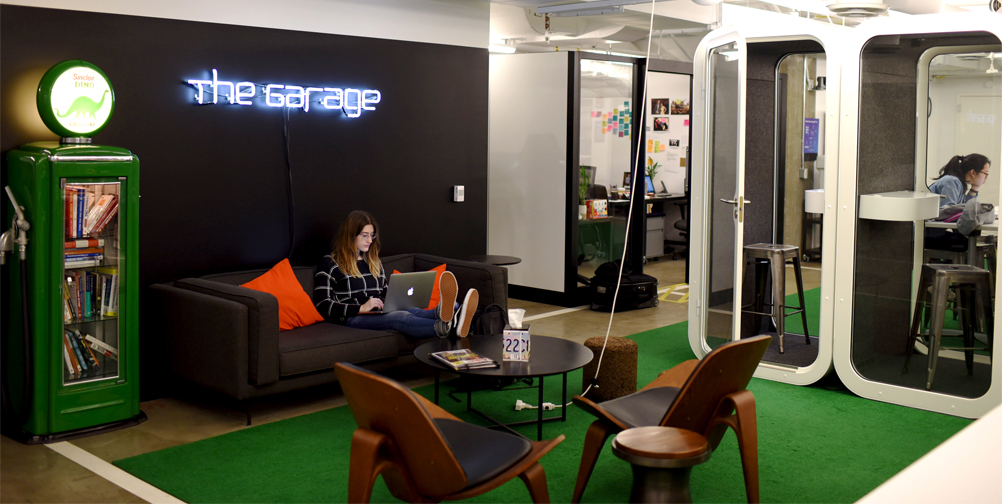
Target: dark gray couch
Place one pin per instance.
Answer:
(225, 337)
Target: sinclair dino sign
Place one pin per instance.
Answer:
(75, 99)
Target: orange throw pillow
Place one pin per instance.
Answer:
(436, 296)
(295, 308)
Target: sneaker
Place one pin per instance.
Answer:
(443, 328)
(465, 317)
(449, 289)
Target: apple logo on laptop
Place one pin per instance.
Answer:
(410, 292)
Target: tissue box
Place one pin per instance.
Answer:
(516, 344)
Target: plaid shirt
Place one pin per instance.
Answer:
(338, 295)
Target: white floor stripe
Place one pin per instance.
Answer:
(555, 313)
(124, 480)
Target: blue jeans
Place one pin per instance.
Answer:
(415, 322)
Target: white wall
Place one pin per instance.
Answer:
(944, 93)
(527, 166)
(449, 22)
(671, 159)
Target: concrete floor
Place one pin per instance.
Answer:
(40, 474)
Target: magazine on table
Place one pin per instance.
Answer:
(464, 359)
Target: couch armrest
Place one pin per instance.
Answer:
(207, 338)
(261, 334)
(490, 281)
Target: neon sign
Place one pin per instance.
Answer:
(351, 101)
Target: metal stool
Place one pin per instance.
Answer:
(776, 254)
(933, 288)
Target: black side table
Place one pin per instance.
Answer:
(497, 260)
(549, 356)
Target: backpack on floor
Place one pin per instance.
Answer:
(636, 290)
(489, 320)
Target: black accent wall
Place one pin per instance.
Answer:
(215, 184)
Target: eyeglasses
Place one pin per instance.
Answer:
(366, 236)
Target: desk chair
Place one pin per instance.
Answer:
(704, 396)
(682, 225)
(596, 191)
(424, 453)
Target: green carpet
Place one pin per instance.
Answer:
(812, 299)
(816, 444)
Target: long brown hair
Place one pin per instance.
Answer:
(346, 255)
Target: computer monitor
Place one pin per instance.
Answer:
(650, 184)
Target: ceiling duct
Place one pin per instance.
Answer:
(858, 9)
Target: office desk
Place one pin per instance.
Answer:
(656, 223)
(972, 243)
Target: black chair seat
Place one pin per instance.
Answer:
(482, 453)
(641, 409)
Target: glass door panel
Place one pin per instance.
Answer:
(606, 139)
(725, 203)
(90, 280)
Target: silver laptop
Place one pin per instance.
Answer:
(408, 290)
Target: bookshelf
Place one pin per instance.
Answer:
(91, 284)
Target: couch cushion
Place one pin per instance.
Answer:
(319, 346)
(295, 308)
(303, 273)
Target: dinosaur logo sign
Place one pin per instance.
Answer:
(75, 99)
(80, 100)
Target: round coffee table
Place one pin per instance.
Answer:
(548, 356)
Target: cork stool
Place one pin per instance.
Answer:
(933, 288)
(776, 255)
(618, 375)
(662, 459)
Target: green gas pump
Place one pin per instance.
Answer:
(70, 349)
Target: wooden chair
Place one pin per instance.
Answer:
(424, 453)
(704, 396)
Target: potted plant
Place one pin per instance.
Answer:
(583, 184)
(652, 168)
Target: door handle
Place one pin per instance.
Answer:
(734, 201)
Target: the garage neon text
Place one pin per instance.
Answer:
(351, 101)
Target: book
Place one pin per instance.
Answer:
(464, 359)
(84, 367)
(83, 251)
(82, 264)
(85, 243)
(104, 220)
(102, 347)
(85, 349)
(73, 366)
(96, 212)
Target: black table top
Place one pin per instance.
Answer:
(548, 355)
(497, 260)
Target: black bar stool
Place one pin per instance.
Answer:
(776, 255)
(933, 291)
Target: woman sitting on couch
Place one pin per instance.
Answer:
(351, 281)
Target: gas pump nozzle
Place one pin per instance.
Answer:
(18, 231)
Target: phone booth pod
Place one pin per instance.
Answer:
(757, 103)
(916, 91)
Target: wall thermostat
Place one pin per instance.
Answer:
(458, 193)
